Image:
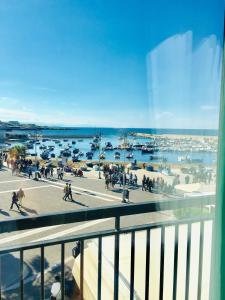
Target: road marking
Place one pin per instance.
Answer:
(17, 180)
(26, 234)
(99, 193)
(71, 230)
(83, 189)
(95, 196)
(26, 189)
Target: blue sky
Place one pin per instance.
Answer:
(111, 63)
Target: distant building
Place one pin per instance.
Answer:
(15, 123)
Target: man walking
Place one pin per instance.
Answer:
(66, 192)
(143, 183)
(70, 196)
(61, 173)
(14, 201)
(30, 172)
(20, 196)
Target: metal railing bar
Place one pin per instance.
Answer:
(161, 279)
(200, 261)
(188, 262)
(81, 269)
(42, 273)
(62, 271)
(103, 233)
(99, 291)
(81, 215)
(132, 265)
(175, 265)
(0, 277)
(147, 266)
(116, 258)
(21, 276)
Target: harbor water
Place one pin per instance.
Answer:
(116, 138)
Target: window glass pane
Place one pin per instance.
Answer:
(109, 103)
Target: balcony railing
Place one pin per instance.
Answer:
(116, 212)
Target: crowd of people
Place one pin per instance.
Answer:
(158, 185)
(116, 174)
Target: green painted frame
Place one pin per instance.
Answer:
(217, 290)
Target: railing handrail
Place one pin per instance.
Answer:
(89, 214)
(102, 233)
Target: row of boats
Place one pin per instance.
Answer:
(69, 150)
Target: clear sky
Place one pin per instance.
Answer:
(119, 63)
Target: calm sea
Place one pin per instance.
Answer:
(121, 131)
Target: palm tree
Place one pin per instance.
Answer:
(17, 151)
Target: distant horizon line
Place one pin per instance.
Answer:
(104, 126)
(112, 127)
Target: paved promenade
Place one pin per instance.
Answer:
(45, 196)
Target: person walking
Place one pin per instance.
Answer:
(58, 173)
(66, 192)
(70, 196)
(107, 181)
(143, 183)
(20, 195)
(61, 173)
(30, 173)
(51, 171)
(14, 201)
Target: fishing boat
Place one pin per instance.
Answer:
(60, 145)
(33, 154)
(102, 156)
(138, 146)
(89, 155)
(65, 140)
(73, 142)
(108, 146)
(130, 156)
(75, 151)
(75, 158)
(158, 157)
(66, 153)
(29, 146)
(96, 139)
(94, 146)
(129, 148)
(147, 150)
(45, 154)
(184, 158)
(196, 160)
(117, 155)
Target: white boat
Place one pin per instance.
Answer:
(102, 156)
(130, 156)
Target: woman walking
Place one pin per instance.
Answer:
(20, 196)
(14, 201)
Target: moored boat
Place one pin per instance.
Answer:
(130, 156)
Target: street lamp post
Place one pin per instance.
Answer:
(124, 173)
(99, 172)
